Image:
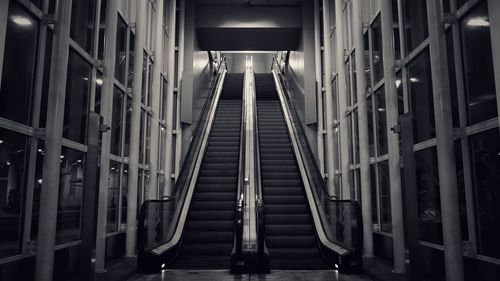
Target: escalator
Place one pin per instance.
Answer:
(289, 230)
(208, 236)
(195, 227)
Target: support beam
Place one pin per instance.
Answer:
(366, 191)
(155, 101)
(140, 27)
(108, 76)
(327, 78)
(49, 197)
(170, 99)
(391, 98)
(320, 150)
(342, 98)
(450, 212)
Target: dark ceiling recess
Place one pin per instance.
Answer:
(248, 39)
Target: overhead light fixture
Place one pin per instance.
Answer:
(398, 83)
(99, 81)
(1, 141)
(40, 181)
(478, 22)
(21, 21)
(414, 80)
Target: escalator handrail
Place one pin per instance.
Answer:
(311, 193)
(187, 171)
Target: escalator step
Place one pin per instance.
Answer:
(293, 242)
(289, 229)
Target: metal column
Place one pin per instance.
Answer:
(327, 78)
(319, 88)
(140, 30)
(170, 98)
(342, 98)
(494, 13)
(391, 98)
(450, 213)
(108, 76)
(180, 69)
(44, 265)
(366, 192)
(155, 102)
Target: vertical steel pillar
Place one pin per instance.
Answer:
(155, 103)
(342, 98)
(494, 13)
(4, 14)
(108, 76)
(391, 98)
(319, 88)
(140, 38)
(450, 212)
(327, 78)
(366, 192)
(170, 98)
(180, 69)
(44, 264)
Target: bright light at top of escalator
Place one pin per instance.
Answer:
(478, 22)
(21, 21)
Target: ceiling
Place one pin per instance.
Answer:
(266, 3)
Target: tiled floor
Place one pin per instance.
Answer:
(224, 275)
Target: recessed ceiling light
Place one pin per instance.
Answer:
(478, 22)
(21, 21)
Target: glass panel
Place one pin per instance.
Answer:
(128, 124)
(131, 56)
(116, 122)
(429, 205)
(478, 65)
(462, 201)
(395, 24)
(82, 23)
(381, 122)
(150, 82)
(77, 98)
(121, 50)
(378, 60)
(348, 82)
(141, 137)
(71, 184)
(148, 138)
(113, 196)
(354, 91)
(13, 160)
(98, 89)
(163, 113)
(415, 23)
(485, 156)
(46, 80)
(161, 159)
(124, 196)
(102, 29)
(400, 93)
(18, 65)
(453, 79)
(421, 100)
(144, 77)
(368, 79)
(356, 136)
(37, 189)
(385, 196)
(373, 182)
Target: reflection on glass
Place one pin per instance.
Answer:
(77, 98)
(121, 50)
(429, 204)
(485, 156)
(124, 193)
(113, 196)
(415, 23)
(13, 154)
(381, 122)
(98, 89)
(478, 65)
(116, 122)
(82, 23)
(377, 55)
(18, 65)
(71, 184)
(421, 99)
(385, 197)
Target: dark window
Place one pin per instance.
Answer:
(395, 24)
(116, 122)
(121, 50)
(385, 197)
(77, 98)
(356, 136)
(377, 55)
(131, 56)
(18, 66)
(400, 93)
(128, 116)
(141, 137)
(113, 196)
(429, 204)
(124, 196)
(367, 71)
(381, 119)
(478, 65)
(371, 129)
(453, 79)
(353, 79)
(82, 23)
(415, 23)
(373, 182)
(421, 99)
(13, 159)
(485, 156)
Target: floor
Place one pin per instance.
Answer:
(224, 275)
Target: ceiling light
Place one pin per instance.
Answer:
(398, 83)
(99, 81)
(414, 80)
(478, 22)
(40, 181)
(21, 21)
(1, 141)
